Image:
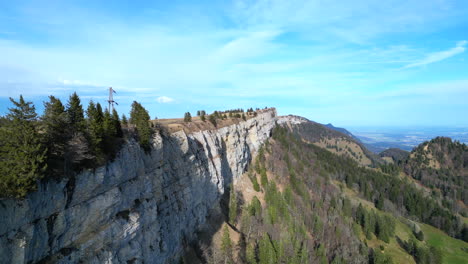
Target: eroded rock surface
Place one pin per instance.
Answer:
(142, 207)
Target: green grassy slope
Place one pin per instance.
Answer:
(454, 250)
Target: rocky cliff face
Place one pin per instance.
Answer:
(142, 207)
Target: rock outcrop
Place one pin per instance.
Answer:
(140, 208)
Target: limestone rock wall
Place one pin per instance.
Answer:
(141, 208)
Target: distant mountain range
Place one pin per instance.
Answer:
(380, 139)
(342, 130)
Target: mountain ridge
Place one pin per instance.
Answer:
(150, 206)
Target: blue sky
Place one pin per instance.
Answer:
(352, 63)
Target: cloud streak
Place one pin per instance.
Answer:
(240, 54)
(439, 56)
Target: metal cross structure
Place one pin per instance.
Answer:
(111, 99)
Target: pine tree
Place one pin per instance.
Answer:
(75, 114)
(266, 250)
(232, 206)
(110, 130)
(124, 120)
(140, 118)
(226, 245)
(54, 122)
(202, 115)
(110, 133)
(96, 128)
(22, 155)
(116, 122)
(379, 203)
(212, 119)
(250, 254)
(187, 117)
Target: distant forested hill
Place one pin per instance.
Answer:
(308, 203)
(395, 154)
(441, 165)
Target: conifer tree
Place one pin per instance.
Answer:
(75, 114)
(95, 127)
(202, 115)
(232, 206)
(226, 245)
(54, 122)
(187, 117)
(250, 254)
(110, 130)
(116, 123)
(266, 250)
(212, 119)
(22, 155)
(140, 118)
(124, 120)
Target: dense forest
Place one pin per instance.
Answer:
(441, 165)
(303, 214)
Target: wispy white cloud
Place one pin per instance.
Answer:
(248, 52)
(164, 100)
(440, 55)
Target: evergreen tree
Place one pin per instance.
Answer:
(187, 117)
(379, 203)
(266, 252)
(109, 133)
(140, 118)
(116, 123)
(226, 245)
(124, 120)
(419, 235)
(233, 206)
(212, 119)
(22, 155)
(202, 115)
(250, 254)
(347, 207)
(54, 122)
(75, 114)
(96, 127)
(110, 130)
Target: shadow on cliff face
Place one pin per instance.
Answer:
(164, 198)
(200, 249)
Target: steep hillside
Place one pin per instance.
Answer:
(441, 165)
(305, 204)
(334, 141)
(394, 155)
(341, 130)
(266, 189)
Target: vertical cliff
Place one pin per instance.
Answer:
(142, 207)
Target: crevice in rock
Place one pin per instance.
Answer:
(50, 230)
(125, 214)
(69, 190)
